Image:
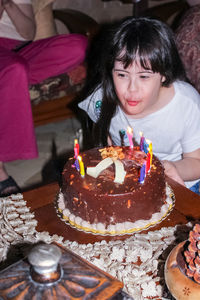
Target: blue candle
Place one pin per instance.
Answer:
(142, 173)
(76, 163)
(146, 146)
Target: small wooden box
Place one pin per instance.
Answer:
(78, 280)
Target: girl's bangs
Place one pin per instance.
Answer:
(128, 56)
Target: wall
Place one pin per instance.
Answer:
(100, 11)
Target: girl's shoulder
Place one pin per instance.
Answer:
(187, 99)
(94, 97)
(92, 104)
(186, 91)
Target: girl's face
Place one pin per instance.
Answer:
(137, 89)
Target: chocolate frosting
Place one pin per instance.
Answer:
(100, 200)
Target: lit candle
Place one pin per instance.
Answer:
(145, 145)
(76, 164)
(150, 150)
(149, 145)
(76, 148)
(142, 173)
(130, 136)
(151, 153)
(141, 141)
(148, 162)
(81, 164)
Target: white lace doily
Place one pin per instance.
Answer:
(138, 261)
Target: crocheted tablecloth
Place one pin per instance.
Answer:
(138, 261)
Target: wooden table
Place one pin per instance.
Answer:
(41, 202)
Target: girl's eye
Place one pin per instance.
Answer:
(144, 76)
(119, 74)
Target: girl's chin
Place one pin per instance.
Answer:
(133, 111)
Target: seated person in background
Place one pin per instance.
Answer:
(187, 38)
(23, 64)
(139, 82)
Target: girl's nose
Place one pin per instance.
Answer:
(133, 85)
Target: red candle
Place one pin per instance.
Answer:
(148, 160)
(76, 148)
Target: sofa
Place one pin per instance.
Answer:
(188, 44)
(52, 98)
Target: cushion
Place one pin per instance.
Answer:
(59, 86)
(45, 24)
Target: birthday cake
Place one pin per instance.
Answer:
(116, 195)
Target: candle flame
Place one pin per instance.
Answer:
(148, 141)
(130, 130)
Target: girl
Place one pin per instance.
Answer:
(140, 83)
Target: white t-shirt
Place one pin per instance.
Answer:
(173, 130)
(7, 28)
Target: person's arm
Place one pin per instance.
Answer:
(186, 169)
(22, 17)
(1, 9)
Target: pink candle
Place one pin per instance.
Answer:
(75, 152)
(130, 136)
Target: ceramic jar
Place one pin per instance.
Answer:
(180, 286)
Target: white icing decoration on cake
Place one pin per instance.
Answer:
(119, 172)
(119, 228)
(104, 164)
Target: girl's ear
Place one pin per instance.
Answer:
(163, 79)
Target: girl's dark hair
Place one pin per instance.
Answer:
(152, 42)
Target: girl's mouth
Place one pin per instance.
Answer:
(133, 103)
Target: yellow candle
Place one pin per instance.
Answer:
(81, 165)
(151, 153)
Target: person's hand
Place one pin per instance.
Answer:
(171, 171)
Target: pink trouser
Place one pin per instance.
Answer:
(32, 64)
